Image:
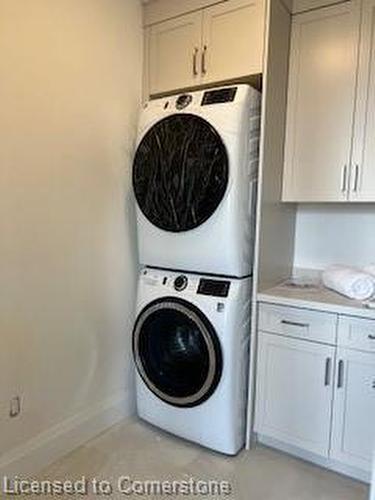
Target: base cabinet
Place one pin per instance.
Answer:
(295, 392)
(317, 399)
(353, 433)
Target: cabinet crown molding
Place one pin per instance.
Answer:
(156, 11)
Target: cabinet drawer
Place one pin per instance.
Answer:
(298, 323)
(357, 333)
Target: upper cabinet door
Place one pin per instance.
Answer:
(363, 165)
(174, 53)
(233, 39)
(324, 52)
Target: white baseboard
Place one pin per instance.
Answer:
(47, 447)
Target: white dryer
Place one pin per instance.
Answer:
(190, 346)
(194, 179)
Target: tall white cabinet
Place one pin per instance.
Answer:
(321, 101)
(363, 163)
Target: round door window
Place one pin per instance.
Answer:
(177, 352)
(180, 172)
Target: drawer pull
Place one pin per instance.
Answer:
(340, 375)
(327, 376)
(371, 337)
(294, 323)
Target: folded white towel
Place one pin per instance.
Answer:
(350, 282)
(370, 269)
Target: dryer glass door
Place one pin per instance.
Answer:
(180, 172)
(177, 352)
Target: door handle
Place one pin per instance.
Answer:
(327, 375)
(195, 66)
(356, 178)
(204, 67)
(344, 184)
(340, 375)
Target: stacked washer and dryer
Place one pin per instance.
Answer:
(195, 182)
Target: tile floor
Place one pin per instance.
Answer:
(135, 449)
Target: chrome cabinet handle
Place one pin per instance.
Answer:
(371, 337)
(195, 66)
(204, 68)
(356, 178)
(344, 185)
(327, 376)
(340, 375)
(294, 323)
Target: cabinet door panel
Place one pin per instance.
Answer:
(173, 46)
(321, 99)
(354, 409)
(294, 392)
(363, 173)
(233, 37)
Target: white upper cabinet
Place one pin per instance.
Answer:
(233, 38)
(219, 43)
(363, 164)
(321, 99)
(174, 53)
(353, 437)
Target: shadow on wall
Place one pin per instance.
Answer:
(334, 234)
(71, 77)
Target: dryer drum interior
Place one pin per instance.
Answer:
(180, 172)
(177, 352)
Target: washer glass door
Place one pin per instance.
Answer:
(180, 172)
(177, 352)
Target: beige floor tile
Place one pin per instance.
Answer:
(140, 451)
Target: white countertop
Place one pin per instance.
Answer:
(315, 297)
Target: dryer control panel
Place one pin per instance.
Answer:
(214, 288)
(219, 96)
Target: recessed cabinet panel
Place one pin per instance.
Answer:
(294, 392)
(354, 409)
(174, 53)
(321, 100)
(233, 37)
(363, 165)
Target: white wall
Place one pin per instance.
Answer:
(70, 87)
(330, 234)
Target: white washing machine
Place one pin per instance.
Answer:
(190, 346)
(194, 179)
